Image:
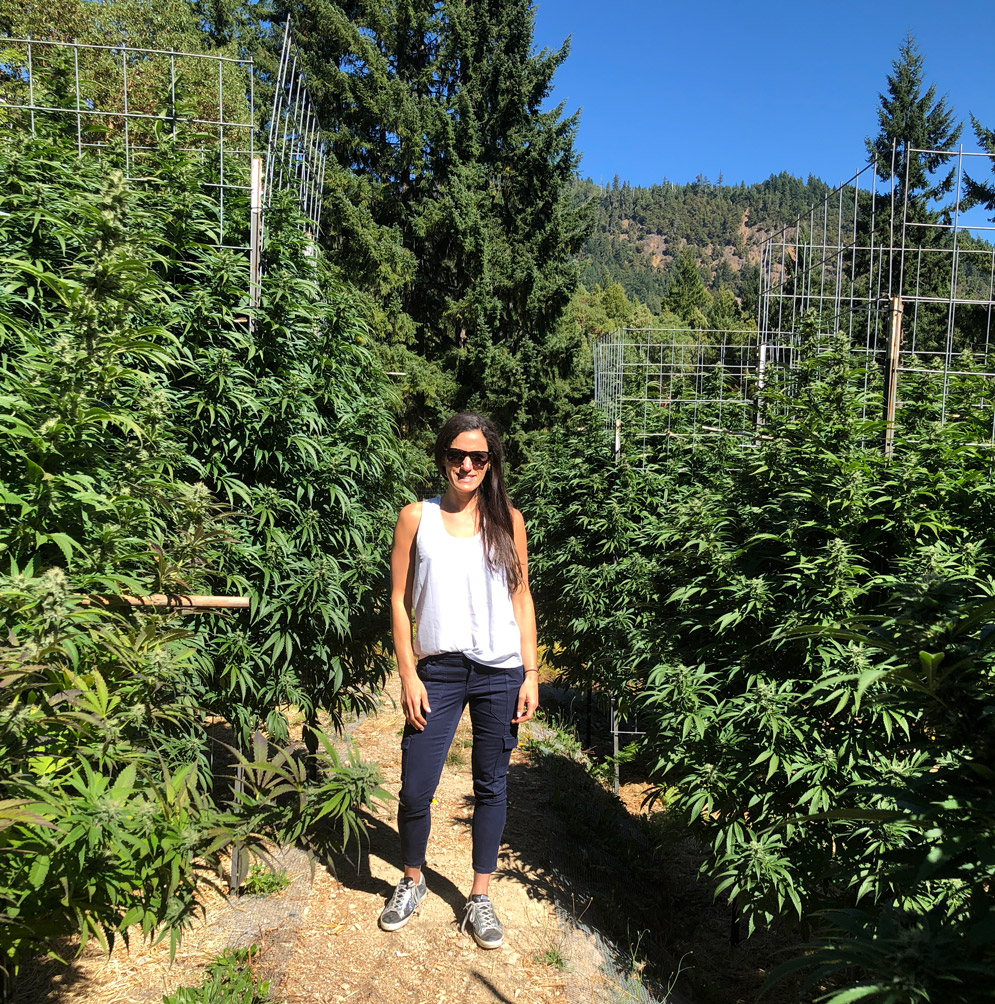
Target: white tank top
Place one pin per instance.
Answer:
(460, 605)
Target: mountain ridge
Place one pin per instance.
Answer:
(640, 230)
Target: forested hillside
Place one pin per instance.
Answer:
(639, 232)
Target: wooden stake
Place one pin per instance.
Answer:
(255, 235)
(891, 375)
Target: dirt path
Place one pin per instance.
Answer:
(319, 940)
(595, 912)
(341, 955)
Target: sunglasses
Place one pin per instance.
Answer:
(479, 458)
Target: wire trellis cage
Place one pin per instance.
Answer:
(296, 154)
(126, 103)
(131, 105)
(907, 288)
(677, 383)
(911, 287)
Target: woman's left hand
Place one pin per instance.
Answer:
(528, 699)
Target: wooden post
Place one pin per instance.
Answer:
(613, 710)
(590, 709)
(255, 237)
(613, 714)
(179, 603)
(891, 375)
(761, 375)
(234, 877)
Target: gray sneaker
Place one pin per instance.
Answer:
(483, 923)
(405, 899)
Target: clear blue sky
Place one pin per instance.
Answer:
(677, 88)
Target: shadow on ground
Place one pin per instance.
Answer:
(47, 979)
(353, 870)
(633, 881)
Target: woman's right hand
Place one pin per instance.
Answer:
(414, 702)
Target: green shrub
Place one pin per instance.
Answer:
(150, 442)
(264, 881)
(549, 735)
(774, 614)
(229, 980)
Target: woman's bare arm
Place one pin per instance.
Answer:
(525, 618)
(414, 699)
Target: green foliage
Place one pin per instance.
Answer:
(281, 420)
(264, 881)
(452, 196)
(604, 770)
(549, 735)
(289, 425)
(686, 294)
(805, 630)
(156, 85)
(344, 785)
(932, 934)
(584, 512)
(229, 980)
(908, 118)
(151, 441)
(104, 810)
(980, 191)
(163, 24)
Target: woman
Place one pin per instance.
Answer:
(464, 633)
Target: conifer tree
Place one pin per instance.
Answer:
(687, 296)
(982, 192)
(921, 128)
(912, 119)
(454, 193)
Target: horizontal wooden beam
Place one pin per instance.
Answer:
(160, 601)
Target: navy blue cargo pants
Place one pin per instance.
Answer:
(453, 681)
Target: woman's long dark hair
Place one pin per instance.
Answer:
(493, 504)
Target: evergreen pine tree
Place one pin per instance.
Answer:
(687, 296)
(920, 128)
(616, 304)
(453, 185)
(914, 120)
(982, 192)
